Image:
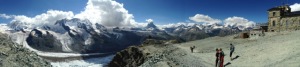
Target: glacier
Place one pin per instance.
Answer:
(91, 62)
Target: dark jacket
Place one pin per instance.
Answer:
(232, 48)
(222, 54)
(217, 54)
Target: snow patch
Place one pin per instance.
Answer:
(64, 39)
(4, 28)
(88, 41)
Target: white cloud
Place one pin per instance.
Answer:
(175, 25)
(168, 25)
(295, 7)
(107, 12)
(149, 20)
(140, 25)
(5, 16)
(239, 22)
(111, 14)
(51, 16)
(204, 18)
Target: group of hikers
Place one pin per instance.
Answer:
(220, 56)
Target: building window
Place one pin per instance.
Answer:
(273, 23)
(274, 13)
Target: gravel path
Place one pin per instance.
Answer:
(278, 49)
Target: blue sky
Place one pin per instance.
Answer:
(35, 7)
(161, 11)
(180, 10)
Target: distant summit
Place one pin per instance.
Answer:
(151, 25)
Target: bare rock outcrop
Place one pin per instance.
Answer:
(131, 57)
(135, 56)
(13, 55)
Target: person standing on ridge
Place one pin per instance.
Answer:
(221, 55)
(217, 56)
(192, 48)
(231, 50)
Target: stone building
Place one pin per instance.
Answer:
(282, 19)
(257, 32)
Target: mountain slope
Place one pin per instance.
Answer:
(12, 55)
(80, 36)
(276, 49)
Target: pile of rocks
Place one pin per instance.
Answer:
(130, 57)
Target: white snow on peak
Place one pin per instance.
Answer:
(88, 41)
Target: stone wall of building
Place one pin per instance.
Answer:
(281, 19)
(284, 24)
(290, 23)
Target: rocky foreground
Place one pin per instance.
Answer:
(276, 49)
(13, 55)
(135, 56)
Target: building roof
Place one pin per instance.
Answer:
(292, 14)
(295, 13)
(282, 7)
(275, 8)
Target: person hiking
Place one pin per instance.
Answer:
(192, 48)
(217, 56)
(221, 57)
(231, 51)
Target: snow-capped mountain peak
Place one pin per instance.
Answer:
(151, 25)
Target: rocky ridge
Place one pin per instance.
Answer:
(135, 56)
(13, 55)
(276, 49)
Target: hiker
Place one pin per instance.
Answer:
(231, 51)
(192, 48)
(217, 56)
(221, 57)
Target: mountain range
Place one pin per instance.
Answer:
(82, 36)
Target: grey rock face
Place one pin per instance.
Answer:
(130, 57)
(43, 42)
(12, 55)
